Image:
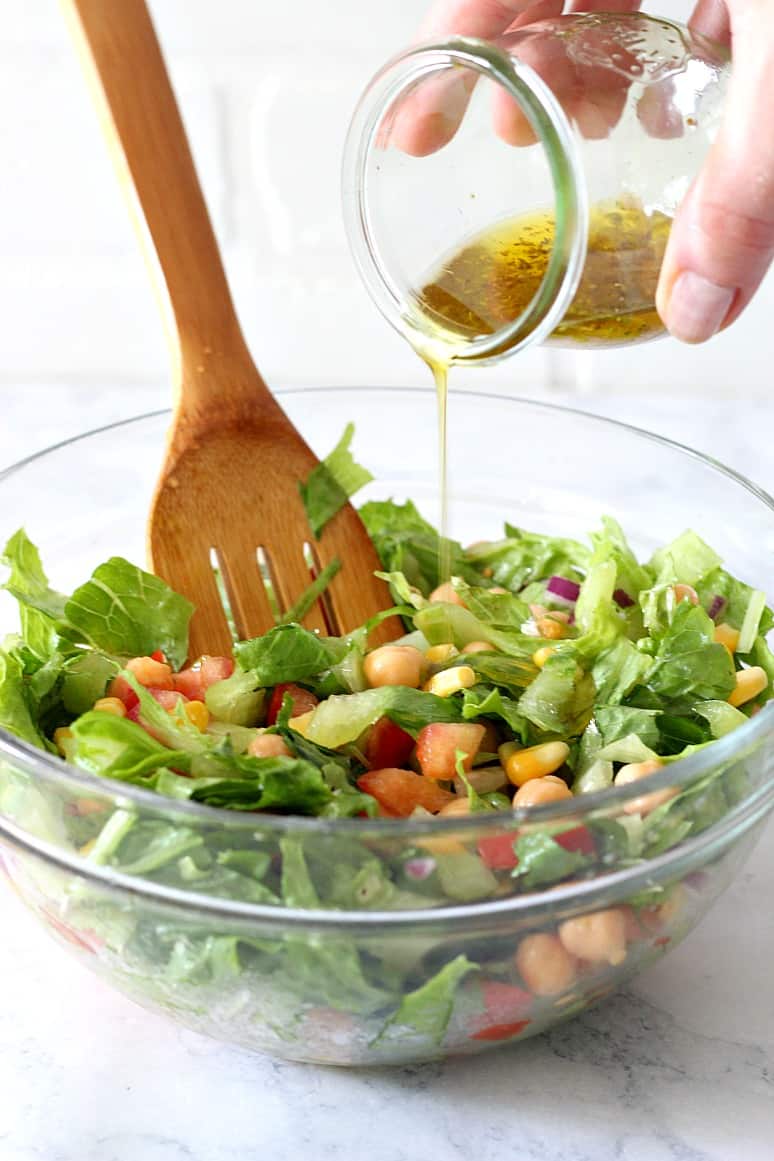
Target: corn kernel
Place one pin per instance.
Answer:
(728, 636)
(540, 656)
(749, 683)
(301, 723)
(441, 845)
(450, 681)
(440, 654)
(197, 714)
(111, 705)
(478, 647)
(62, 735)
(535, 761)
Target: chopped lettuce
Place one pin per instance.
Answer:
(331, 483)
(689, 665)
(340, 720)
(426, 1011)
(127, 612)
(15, 711)
(289, 653)
(315, 590)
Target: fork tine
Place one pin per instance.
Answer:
(292, 577)
(190, 573)
(344, 537)
(250, 609)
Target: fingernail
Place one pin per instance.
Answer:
(696, 307)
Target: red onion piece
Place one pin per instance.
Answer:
(717, 605)
(563, 590)
(420, 868)
(623, 599)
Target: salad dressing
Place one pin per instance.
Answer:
(492, 279)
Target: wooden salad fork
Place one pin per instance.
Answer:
(228, 491)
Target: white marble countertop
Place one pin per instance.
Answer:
(680, 1067)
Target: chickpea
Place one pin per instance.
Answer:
(456, 809)
(394, 665)
(598, 938)
(682, 591)
(268, 746)
(544, 964)
(446, 593)
(540, 790)
(647, 802)
(477, 647)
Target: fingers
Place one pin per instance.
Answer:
(427, 117)
(484, 18)
(722, 241)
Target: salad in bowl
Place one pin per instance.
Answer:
(367, 854)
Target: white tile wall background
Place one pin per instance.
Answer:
(266, 90)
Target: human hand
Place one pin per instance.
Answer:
(722, 240)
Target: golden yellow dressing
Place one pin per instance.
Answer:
(490, 281)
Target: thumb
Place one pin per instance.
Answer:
(722, 241)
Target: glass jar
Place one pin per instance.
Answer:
(500, 193)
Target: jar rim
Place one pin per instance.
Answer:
(554, 132)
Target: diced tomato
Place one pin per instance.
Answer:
(216, 669)
(401, 791)
(438, 743)
(120, 688)
(578, 839)
(505, 1014)
(501, 1031)
(190, 683)
(303, 701)
(167, 698)
(388, 746)
(84, 940)
(197, 679)
(497, 851)
(158, 655)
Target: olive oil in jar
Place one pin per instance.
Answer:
(491, 280)
(487, 284)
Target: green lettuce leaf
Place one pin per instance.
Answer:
(426, 1011)
(618, 669)
(311, 594)
(114, 747)
(130, 613)
(289, 653)
(524, 557)
(482, 701)
(41, 608)
(408, 544)
(15, 712)
(686, 559)
(331, 484)
(689, 664)
(343, 718)
(542, 860)
(561, 698)
(738, 597)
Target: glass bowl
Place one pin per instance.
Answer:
(386, 941)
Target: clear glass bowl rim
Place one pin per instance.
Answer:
(746, 738)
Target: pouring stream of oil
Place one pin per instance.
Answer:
(492, 279)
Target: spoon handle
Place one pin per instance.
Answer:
(140, 117)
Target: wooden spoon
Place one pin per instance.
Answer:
(229, 482)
